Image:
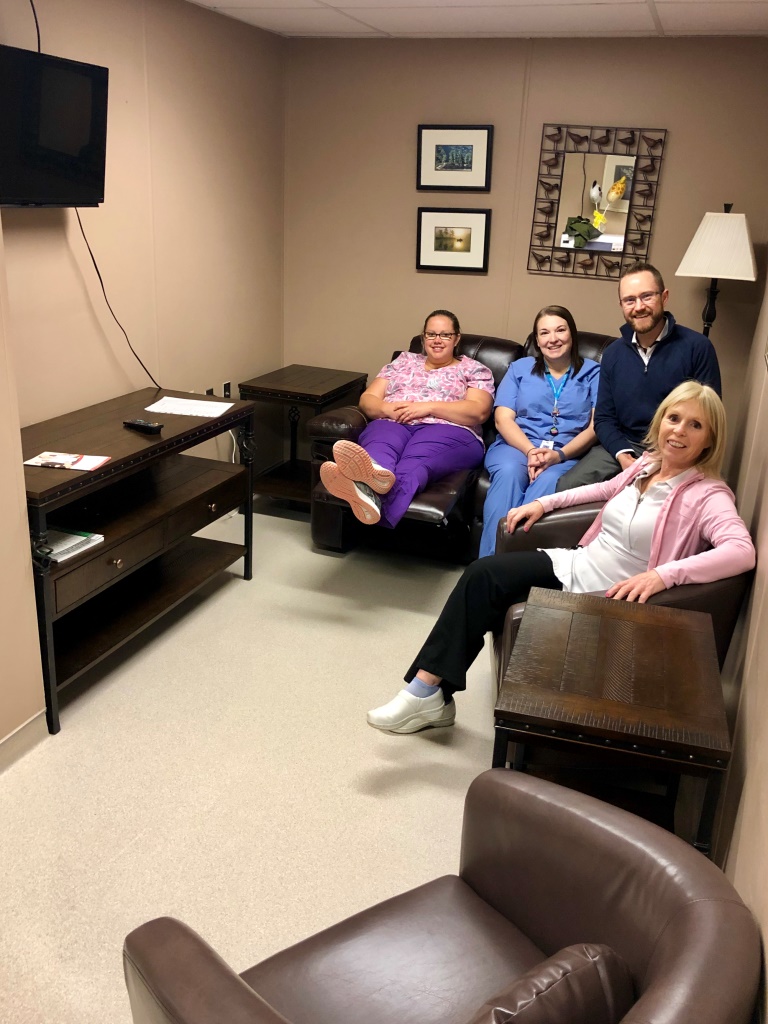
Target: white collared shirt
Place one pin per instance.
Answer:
(646, 353)
(622, 548)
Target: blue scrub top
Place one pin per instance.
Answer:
(532, 399)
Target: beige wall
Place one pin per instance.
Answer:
(189, 239)
(189, 242)
(743, 837)
(351, 289)
(21, 686)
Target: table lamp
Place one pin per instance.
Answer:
(720, 249)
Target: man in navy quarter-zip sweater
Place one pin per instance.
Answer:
(653, 355)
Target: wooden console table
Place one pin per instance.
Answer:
(314, 386)
(147, 501)
(629, 684)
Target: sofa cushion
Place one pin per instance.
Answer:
(591, 345)
(495, 353)
(428, 956)
(579, 984)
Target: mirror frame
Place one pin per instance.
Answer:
(648, 145)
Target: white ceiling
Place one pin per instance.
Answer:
(488, 18)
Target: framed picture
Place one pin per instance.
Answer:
(454, 158)
(617, 167)
(452, 239)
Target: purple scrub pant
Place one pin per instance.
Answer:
(417, 453)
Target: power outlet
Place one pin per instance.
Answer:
(226, 389)
(209, 391)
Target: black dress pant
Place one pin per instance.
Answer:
(594, 467)
(477, 605)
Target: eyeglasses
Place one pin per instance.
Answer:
(645, 298)
(443, 335)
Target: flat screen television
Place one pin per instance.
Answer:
(53, 130)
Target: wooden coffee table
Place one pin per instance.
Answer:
(316, 387)
(636, 684)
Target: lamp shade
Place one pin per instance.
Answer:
(721, 248)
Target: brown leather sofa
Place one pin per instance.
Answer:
(722, 599)
(542, 868)
(453, 504)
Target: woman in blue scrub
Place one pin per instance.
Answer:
(544, 414)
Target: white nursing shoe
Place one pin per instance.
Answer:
(407, 713)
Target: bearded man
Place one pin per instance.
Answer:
(638, 370)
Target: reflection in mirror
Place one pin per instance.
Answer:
(595, 199)
(595, 185)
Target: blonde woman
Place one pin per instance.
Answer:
(669, 519)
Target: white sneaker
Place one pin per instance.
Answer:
(364, 503)
(356, 464)
(408, 713)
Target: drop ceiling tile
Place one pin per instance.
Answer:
(243, 11)
(496, 4)
(726, 17)
(713, 3)
(436, 18)
(304, 21)
(549, 20)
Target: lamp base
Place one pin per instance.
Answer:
(709, 313)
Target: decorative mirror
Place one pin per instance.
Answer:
(595, 198)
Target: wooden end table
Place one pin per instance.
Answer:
(148, 501)
(635, 684)
(314, 386)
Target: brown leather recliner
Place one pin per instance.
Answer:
(564, 528)
(455, 503)
(542, 868)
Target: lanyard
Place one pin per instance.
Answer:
(556, 391)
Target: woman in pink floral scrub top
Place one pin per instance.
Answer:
(425, 411)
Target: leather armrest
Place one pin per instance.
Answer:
(562, 528)
(172, 975)
(540, 855)
(346, 423)
(706, 597)
(721, 599)
(481, 492)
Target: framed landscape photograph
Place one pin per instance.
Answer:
(453, 239)
(454, 158)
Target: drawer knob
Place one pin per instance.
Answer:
(117, 562)
(213, 507)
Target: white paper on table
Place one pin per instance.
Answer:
(189, 407)
(68, 460)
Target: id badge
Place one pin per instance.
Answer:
(549, 443)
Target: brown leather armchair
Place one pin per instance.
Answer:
(542, 868)
(453, 504)
(564, 527)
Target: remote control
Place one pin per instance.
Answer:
(143, 426)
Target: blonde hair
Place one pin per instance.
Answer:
(711, 459)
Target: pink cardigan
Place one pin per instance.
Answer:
(698, 537)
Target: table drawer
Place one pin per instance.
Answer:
(107, 566)
(207, 507)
